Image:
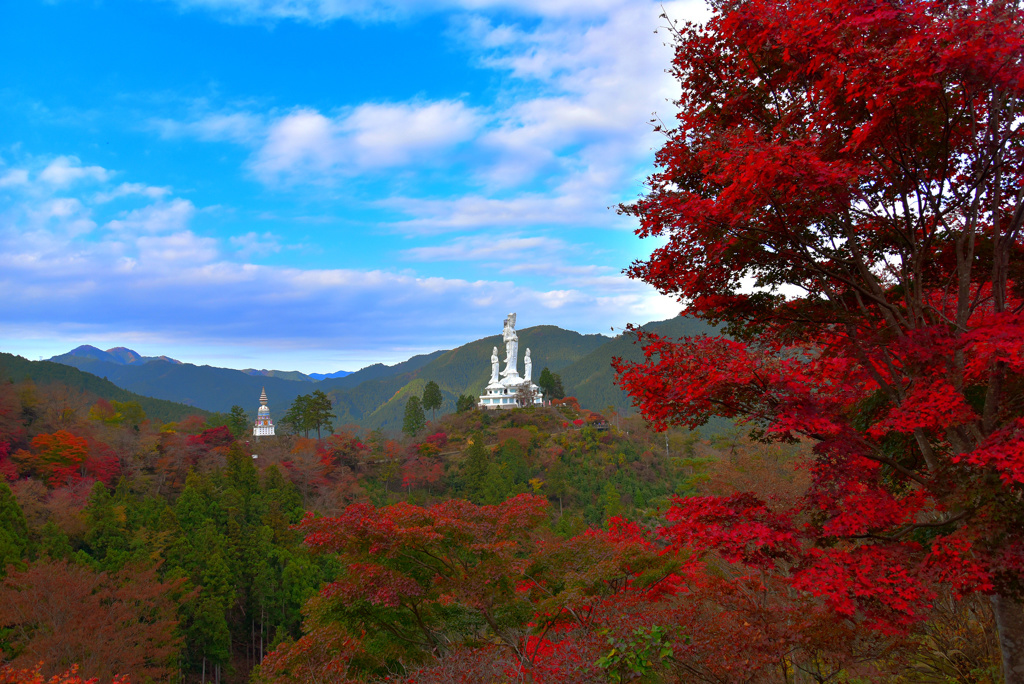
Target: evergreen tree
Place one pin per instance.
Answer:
(414, 420)
(238, 422)
(611, 500)
(474, 468)
(432, 398)
(318, 412)
(557, 392)
(551, 384)
(107, 536)
(295, 416)
(466, 402)
(13, 530)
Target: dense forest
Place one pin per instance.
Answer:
(532, 544)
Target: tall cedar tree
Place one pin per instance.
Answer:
(14, 539)
(414, 420)
(432, 398)
(466, 402)
(319, 412)
(862, 164)
(297, 415)
(551, 384)
(238, 422)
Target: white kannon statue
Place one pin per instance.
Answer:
(529, 365)
(494, 366)
(511, 346)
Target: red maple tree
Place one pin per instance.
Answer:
(843, 190)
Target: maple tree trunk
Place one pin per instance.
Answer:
(1009, 616)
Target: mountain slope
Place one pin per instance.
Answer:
(378, 371)
(208, 387)
(295, 376)
(16, 368)
(464, 370)
(592, 379)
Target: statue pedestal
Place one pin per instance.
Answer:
(502, 394)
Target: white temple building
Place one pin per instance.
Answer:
(264, 427)
(507, 389)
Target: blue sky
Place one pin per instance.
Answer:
(322, 184)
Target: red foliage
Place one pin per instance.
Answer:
(339, 451)
(828, 152)
(438, 439)
(8, 471)
(63, 458)
(61, 614)
(570, 402)
(213, 437)
(13, 675)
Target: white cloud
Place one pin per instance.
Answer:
(236, 127)
(508, 249)
(129, 189)
(322, 11)
(255, 244)
(65, 216)
(64, 171)
(155, 218)
(184, 246)
(14, 177)
(472, 212)
(306, 144)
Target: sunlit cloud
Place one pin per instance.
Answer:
(155, 218)
(64, 171)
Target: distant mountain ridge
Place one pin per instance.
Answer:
(82, 357)
(284, 375)
(325, 376)
(118, 355)
(374, 397)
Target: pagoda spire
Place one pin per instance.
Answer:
(263, 397)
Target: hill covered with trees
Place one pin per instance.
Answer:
(532, 543)
(18, 369)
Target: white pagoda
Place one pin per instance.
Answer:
(264, 427)
(507, 389)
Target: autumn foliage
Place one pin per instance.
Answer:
(64, 615)
(841, 191)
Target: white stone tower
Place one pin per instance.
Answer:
(264, 427)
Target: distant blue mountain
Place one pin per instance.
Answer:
(324, 376)
(122, 356)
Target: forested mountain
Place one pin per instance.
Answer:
(592, 379)
(18, 369)
(378, 371)
(379, 403)
(208, 387)
(374, 397)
